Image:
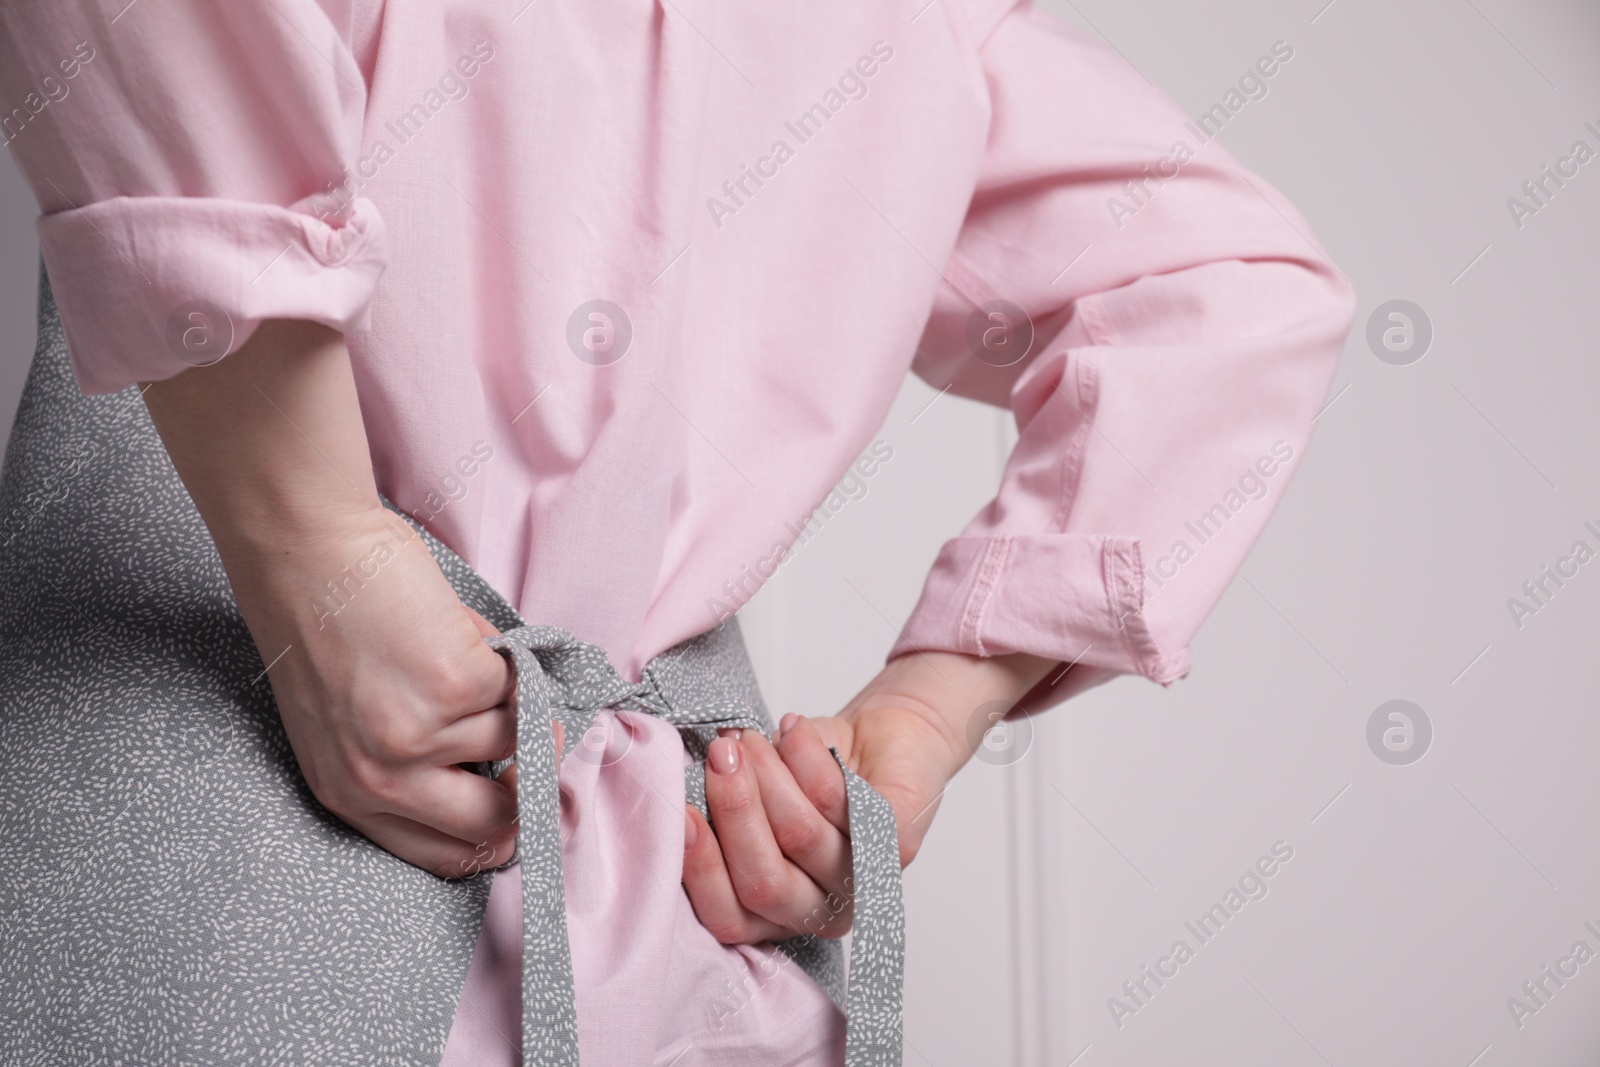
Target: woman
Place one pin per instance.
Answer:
(605, 297)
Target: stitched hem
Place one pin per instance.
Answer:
(961, 277)
(1083, 374)
(990, 570)
(1094, 322)
(1123, 572)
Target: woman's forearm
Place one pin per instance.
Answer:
(269, 441)
(960, 696)
(382, 678)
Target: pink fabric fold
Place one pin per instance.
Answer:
(160, 284)
(1042, 594)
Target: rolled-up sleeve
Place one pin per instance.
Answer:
(193, 163)
(1184, 328)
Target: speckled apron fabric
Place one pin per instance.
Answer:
(171, 892)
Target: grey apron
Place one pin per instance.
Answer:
(170, 890)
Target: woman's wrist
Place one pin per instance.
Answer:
(303, 573)
(270, 443)
(956, 695)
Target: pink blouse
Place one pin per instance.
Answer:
(628, 286)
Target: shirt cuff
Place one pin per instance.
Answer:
(1073, 598)
(149, 286)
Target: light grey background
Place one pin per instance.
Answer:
(1419, 898)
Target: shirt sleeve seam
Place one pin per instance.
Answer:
(1125, 601)
(1085, 383)
(966, 280)
(1094, 321)
(997, 551)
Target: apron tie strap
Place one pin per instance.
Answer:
(562, 679)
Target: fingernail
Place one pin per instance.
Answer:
(723, 755)
(691, 832)
(786, 724)
(733, 731)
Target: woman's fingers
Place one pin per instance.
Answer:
(803, 833)
(488, 679)
(485, 627)
(776, 867)
(763, 878)
(815, 771)
(456, 802)
(435, 852)
(460, 802)
(481, 737)
(710, 887)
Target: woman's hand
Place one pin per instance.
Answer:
(386, 686)
(381, 674)
(779, 862)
